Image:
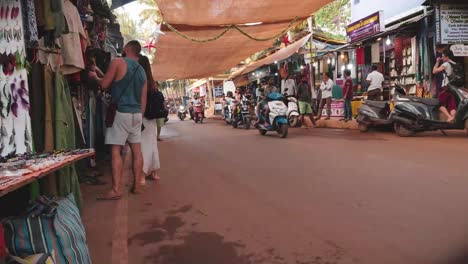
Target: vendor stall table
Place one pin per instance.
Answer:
(14, 183)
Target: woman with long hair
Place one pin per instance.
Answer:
(149, 143)
(447, 100)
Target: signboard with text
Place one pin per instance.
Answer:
(459, 50)
(365, 27)
(452, 24)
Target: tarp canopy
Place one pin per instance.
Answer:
(180, 58)
(225, 12)
(282, 54)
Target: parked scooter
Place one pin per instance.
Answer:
(242, 114)
(293, 111)
(198, 113)
(277, 116)
(228, 115)
(182, 112)
(376, 113)
(415, 114)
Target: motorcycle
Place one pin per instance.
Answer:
(415, 114)
(228, 115)
(277, 116)
(198, 113)
(182, 112)
(242, 114)
(293, 111)
(376, 113)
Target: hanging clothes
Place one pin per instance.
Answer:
(360, 56)
(70, 43)
(29, 23)
(368, 55)
(375, 52)
(64, 128)
(37, 102)
(49, 99)
(48, 184)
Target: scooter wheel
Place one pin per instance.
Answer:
(247, 123)
(262, 132)
(293, 121)
(283, 131)
(402, 131)
(363, 127)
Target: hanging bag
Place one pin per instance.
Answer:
(112, 109)
(50, 226)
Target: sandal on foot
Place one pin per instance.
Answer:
(112, 196)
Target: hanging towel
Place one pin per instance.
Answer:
(376, 52)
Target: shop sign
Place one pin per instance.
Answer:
(452, 24)
(366, 27)
(459, 50)
(218, 91)
(337, 109)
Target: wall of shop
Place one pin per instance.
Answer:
(363, 8)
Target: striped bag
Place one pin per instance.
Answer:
(52, 227)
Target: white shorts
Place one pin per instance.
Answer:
(126, 127)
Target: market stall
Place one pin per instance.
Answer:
(51, 116)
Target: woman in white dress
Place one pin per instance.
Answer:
(149, 143)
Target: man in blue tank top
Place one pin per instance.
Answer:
(127, 82)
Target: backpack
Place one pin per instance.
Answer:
(457, 78)
(151, 111)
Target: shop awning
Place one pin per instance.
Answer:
(226, 12)
(282, 54)
(181, 58)
(196, 85)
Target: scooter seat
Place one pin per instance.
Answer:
(426, 101)
(378, 104)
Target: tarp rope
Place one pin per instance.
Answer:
(233, 26)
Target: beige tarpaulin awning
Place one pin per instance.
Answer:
(281, 54)
(225, 12)
(181, 58)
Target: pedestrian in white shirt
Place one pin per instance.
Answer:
(326, 87)
(374, 80)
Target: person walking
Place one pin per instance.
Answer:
(448, 103)
(149, 147)
(348, 96)
(326, 87)
(127, 82)
(162, 112)
(375, 80)
(304, 96)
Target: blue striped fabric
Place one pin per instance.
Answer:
(62, 235)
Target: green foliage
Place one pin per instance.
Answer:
(334, 17)
(151, 12)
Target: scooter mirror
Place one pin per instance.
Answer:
(400, 90)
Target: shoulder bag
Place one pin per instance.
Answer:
(112, 109)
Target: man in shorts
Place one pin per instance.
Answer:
(304, 96)
(127, 82)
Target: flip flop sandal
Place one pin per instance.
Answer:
(108, 197)
(93, 181)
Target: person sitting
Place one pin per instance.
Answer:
(262, 105)
(447, 100)
(195, 100)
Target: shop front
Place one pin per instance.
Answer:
(51, 115)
